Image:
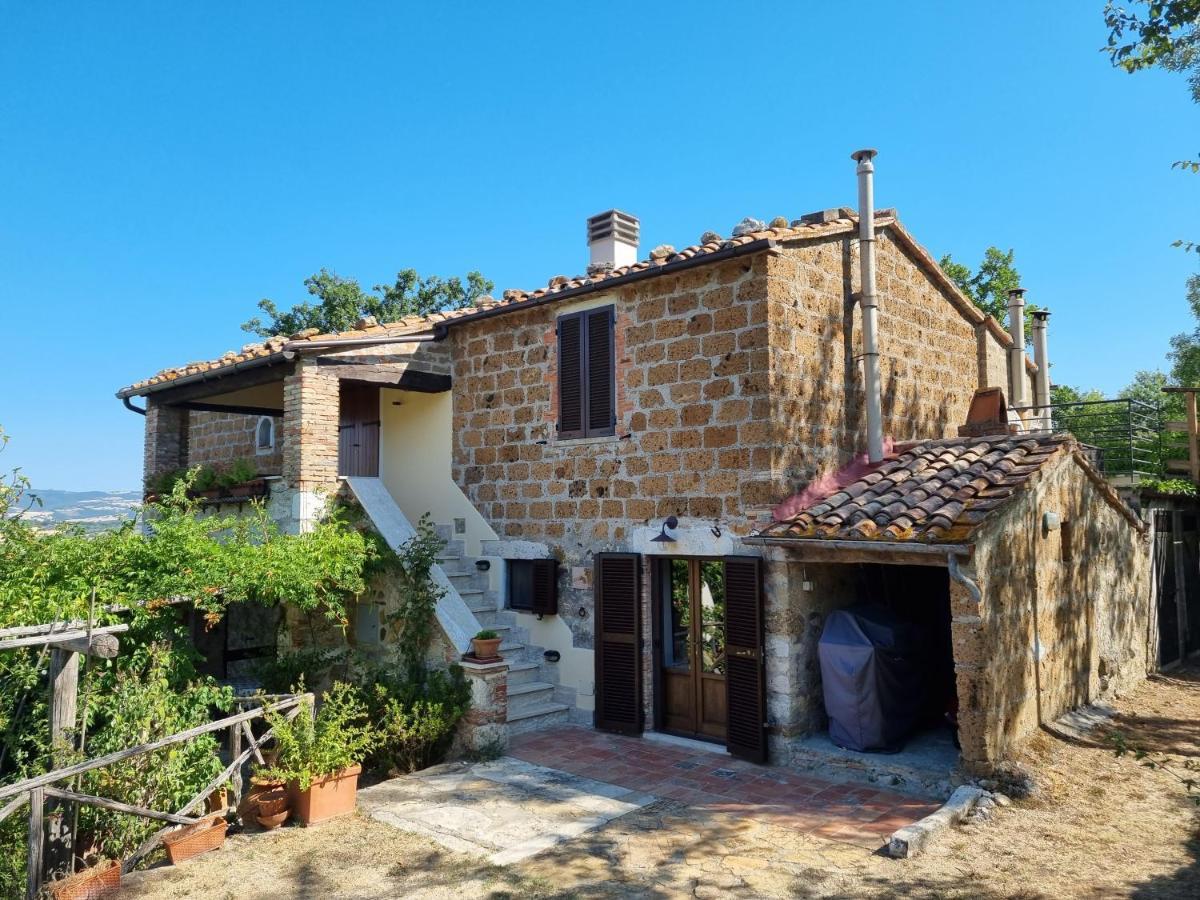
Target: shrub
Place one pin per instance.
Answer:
(311, 747)
(415, 718)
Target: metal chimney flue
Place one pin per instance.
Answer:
(1016, 353)
(612, 240)
(869, 301)
(1041, 356)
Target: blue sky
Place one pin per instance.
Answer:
(163, 166)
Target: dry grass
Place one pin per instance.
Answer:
(1100, 826)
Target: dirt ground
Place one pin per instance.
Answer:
(1099, 826)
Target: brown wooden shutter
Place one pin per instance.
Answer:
(570, 376)
(600, 380)
(545, 587)
(745, 677)
(618, 642)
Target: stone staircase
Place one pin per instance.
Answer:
(531, 686)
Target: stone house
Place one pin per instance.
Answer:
(609, 459)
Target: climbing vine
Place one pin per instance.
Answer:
(418, 594)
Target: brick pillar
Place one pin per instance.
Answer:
(310, 439)
(166, 440)
(486, 723)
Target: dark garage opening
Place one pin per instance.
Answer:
(916, 670)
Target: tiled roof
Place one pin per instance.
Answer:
(750, 236)
(934, 491)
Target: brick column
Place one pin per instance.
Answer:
(971, 657)
(165, 442)
(486, 723)
(310, 440)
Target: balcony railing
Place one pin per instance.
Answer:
(1123, 438)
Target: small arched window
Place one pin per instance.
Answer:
(264, 435)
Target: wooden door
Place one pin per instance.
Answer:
(745, 664)
(358, 429)
(618, 642)
(691, 607)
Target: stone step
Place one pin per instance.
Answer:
(535, 718)
(523, 672)
(511, 647)
(528, 695)
(468, 579)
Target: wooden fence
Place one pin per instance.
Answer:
(38, 790)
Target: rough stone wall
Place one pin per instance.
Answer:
(219, 438)
(1065, 615)
(693, 431)
(929, 356)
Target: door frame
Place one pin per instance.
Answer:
(657, 638)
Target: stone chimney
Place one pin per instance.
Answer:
(612, 240)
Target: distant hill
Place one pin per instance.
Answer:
(94, 510)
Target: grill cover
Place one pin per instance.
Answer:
(872, 677)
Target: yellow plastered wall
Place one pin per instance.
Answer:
(414, 462)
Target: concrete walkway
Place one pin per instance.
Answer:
(505, 810)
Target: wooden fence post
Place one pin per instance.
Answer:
(64, 689)
(33, 870)
(235, 750)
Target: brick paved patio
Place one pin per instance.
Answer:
(849, 813)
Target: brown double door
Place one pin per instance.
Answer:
(358, 429)
(692, 606)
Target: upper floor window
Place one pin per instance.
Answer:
(264, 435)
(586, 374)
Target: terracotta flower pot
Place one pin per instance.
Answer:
(269, 823)
(258, 786)
(486, 648)
(217, 801)
(101, 880)
(273, 802)
(192, 840)
(326, 798)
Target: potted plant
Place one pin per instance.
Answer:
(163, 484)
(205, 483)
(239, 480)
(320, 755)
(101, 880)
(486, 645)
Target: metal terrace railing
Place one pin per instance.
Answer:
(1123, 438)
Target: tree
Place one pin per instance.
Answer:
(1167, 36)
(989, 286)
(1185, 347)
(1138, 42)
(341, 302)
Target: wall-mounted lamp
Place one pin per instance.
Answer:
(483, 564)
(664, 538)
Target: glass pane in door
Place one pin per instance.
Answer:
(712, 616)
(677, 647)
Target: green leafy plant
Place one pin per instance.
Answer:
(486, 635)
(415, 718)
(203, 478)
(1179, 487)
(165, 482)
(241, 471)
(311, 747)
(309, 666)
(418, 594)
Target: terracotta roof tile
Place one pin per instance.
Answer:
(931, 491)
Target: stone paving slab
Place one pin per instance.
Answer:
(506, 810)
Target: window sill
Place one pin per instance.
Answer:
(585, 441)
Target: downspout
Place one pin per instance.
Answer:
(129, 405)
(957, 575)
(869, 301)
(1041, 356)
(1016, 353)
